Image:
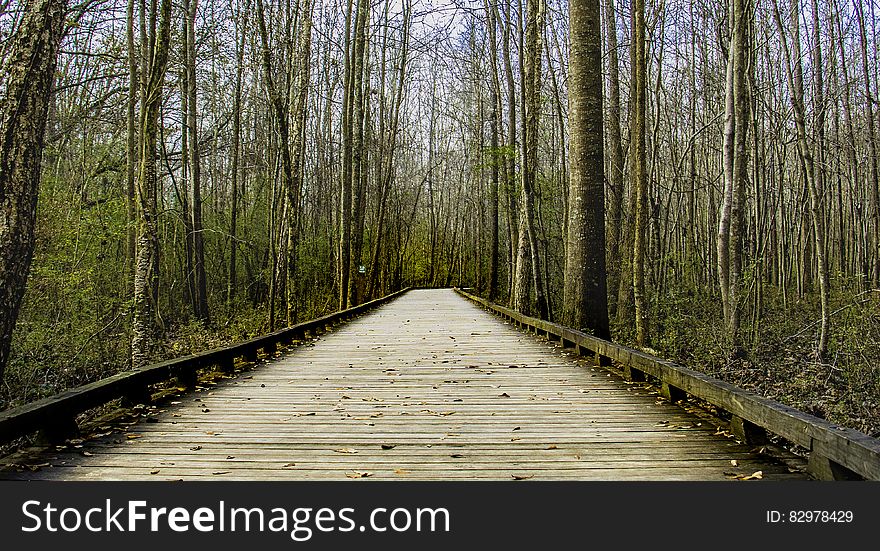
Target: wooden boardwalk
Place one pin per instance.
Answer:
(426, 387)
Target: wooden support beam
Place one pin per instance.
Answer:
(630, 373)
(137, 395)
(747, 432)
(270, 348)
(187, 378)
(227, 365)
(672, 393)
(823, 468)
(58, 431)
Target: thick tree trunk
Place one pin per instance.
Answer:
(29, 73)
(585, 299)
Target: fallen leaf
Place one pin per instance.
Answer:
(522, 476)
(357, 474)
(196, 448)
(504, 395)
(551, 447)
(733, 462)
(456, 455)
(134, 436)
(220, 472)
(230, 457)
(346, 450)
(757, 475)
(288, 465)
(87, 454)
(389, 446)
(401, 471)
(516, 428)
(155, 472)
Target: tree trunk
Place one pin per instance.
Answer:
(585, 298)
(131, 140)
(794, 73)
(616, 180)
(200, 287)
(29, 72)
(236, 155)
(530, 268)
(146, 312)
(873, 253)
(296, 172)
(639, 171)
(730, 226)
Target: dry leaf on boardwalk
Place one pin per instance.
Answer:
(346, 450)
(522, 476)
(359, 474)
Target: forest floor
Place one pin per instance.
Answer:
(780, 360)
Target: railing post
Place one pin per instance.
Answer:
(823, 468)
(137, 395)
(270, 348)
(58, 431)
(672, 393)
(227, 364)
(630, 373)
(187, 378)
(747, 432)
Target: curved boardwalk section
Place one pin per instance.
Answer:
(426, 387)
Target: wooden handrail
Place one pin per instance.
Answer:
(835, 452)
(55, 416)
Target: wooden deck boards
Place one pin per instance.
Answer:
(426, 387)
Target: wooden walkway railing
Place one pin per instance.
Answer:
(55, 417)
(835, 452)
